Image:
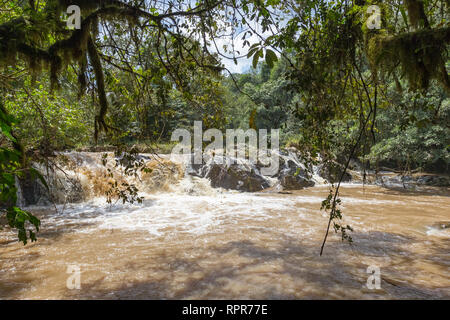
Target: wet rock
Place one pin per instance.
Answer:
(442, 225)
(241, 174)
(291, 182)
(192, 168)
(394, 181)
(70, 191)
(410, 181)
(234, 176)
(332, 171)
(294, 176)
(291, 159)
(31, 192)
(62, 187)
(434, 180)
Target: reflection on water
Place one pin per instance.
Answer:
(237, 246)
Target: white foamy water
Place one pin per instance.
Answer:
(183, 213)
(188, 240)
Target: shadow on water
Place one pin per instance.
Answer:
(13, 281)
(285, 267)
(13, 288)
(333, 275)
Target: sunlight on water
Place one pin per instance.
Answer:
(188, 240)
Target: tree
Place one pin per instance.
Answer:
(12, 166)
(158, 43)
(341, 67)
(338, 68)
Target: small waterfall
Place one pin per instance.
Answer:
(292, 160)
(80, 176)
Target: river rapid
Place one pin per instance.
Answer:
(190, 241)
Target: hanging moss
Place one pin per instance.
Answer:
(420, 55)
(22, 38)
(94, 58)
(82, 81)
(11, 35)
(416, 13)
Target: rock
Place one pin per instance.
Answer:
(332, 171)
(31, 192)
(409, 181)
(63, 189)
(434, 180)
(395, 181)
(193, 169)
(294, 176)
(234, 176)
(245, 176)
(291, 182)
(70, 190)
(442, 225)
(292, 159)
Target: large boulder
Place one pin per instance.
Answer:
(62, 189)
(331, 171)
(294, 176)
(242, 175)
(298, 182)
(235, 176)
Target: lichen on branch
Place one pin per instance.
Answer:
(420, 54)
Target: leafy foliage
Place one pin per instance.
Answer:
(10, 169)
(130, 164)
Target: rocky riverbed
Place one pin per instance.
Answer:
(81, 175)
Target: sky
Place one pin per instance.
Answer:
(244, 64)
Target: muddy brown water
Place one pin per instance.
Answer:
(228, 245)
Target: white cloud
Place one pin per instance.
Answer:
(243, 63)
(229, 38)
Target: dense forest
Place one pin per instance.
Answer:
(340, 81)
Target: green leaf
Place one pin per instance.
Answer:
(251, 52)
(256, 57)
(271, 57)
(6, 130)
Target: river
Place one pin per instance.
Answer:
(217, 244)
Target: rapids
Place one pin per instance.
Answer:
(187, 240)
